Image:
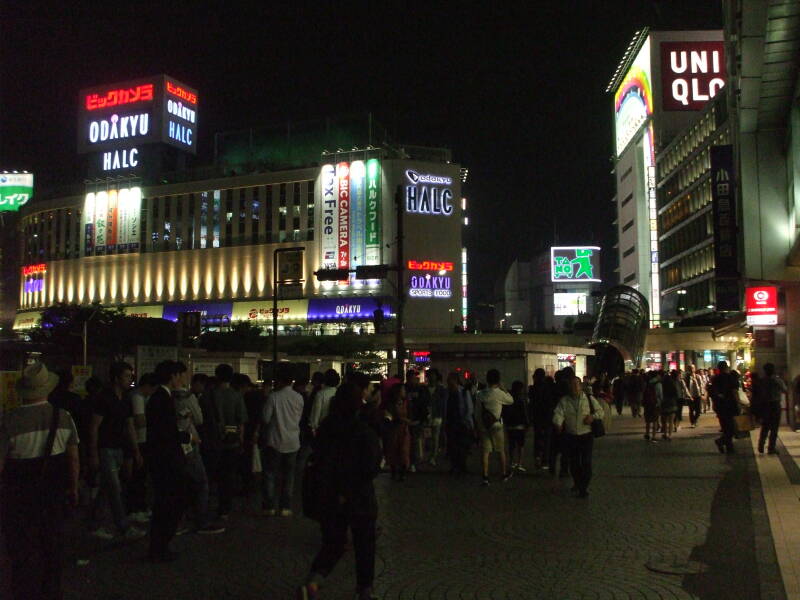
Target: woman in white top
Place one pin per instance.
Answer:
(574, 416)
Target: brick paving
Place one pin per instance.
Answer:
(678, 503)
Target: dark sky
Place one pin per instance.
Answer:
(517, 92)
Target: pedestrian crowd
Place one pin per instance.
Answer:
(169, 453)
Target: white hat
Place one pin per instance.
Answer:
(36, 382)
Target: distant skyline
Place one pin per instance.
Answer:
(518, 94)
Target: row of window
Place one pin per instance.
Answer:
(688, 267)
(687, 205)
(694, 232)
(698, 296)
(209, 219)
(691, 171)
(695, 137)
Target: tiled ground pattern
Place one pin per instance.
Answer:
(444, 537)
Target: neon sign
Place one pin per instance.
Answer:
(116, 127)
(127, 158)
(34, 269)
(329, 217)
(15, 190)
(139, 93)
(415, 178)
(34, 285)
(575, 263)
(343, 175)
(181, 93)
(430, 286)
(428, 200)
(761, 305)
(429, 265)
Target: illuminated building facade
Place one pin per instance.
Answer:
(208, 245)
(664, 78)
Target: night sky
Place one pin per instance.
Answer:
(517, 93)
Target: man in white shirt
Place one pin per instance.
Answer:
(280, 443)
(322, 399)
(489, 407)
(137, 486)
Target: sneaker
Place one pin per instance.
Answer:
(133, 534)
(285, 512)
(507, 476)
(412, 469)
(485, 482)
(103, 534)
(211, 529)
(269, 512)
(309, 591)
(521, 469)
(182, 531)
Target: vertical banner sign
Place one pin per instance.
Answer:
(87, 219)
(357, 213)
(123, 214)
(373, 216)
(330, 219)
(343, 178)
(726, 268)
(134, 211)
(100, 216)
(111, 222)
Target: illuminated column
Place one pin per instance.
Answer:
(464, 288)
(650, 178)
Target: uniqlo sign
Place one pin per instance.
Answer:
(761, 304)
(691, 73)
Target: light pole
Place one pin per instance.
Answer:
(451, 311)
(86, 335)
(507, 319)
(275, 283)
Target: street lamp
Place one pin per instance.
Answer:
(451, 311)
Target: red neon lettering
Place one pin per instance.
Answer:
(34, 269)
(140, 93)
(429, 265)
(178, 91)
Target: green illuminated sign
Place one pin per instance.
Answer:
(373, 216)
(575, 263)
(15, 190)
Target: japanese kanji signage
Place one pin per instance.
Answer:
(575, 264)
(723, 195)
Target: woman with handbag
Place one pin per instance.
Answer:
(574, 415)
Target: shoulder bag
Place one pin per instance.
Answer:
(598, 428)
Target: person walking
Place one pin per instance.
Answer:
(515, 420)
(396, 434)
(347, 454)
(669, 403)
(774, 389)
(723, 390)
(418, 400)
(231, 417)
(489, 407)
(281, 442)
(652, 398)
(637, 386)
(136, 500)
(574, 415)
(542, 403)
(112, 437)
(618, 393)
(459, 424)
(39, 469)
(695, 387)
(167, 460)
(438, 394)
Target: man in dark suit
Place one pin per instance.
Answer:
(169, 474)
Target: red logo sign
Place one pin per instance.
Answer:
(34, 269)
(691, 73)
(181, 93)
(429, 265)
(140, 93)
(761, 304)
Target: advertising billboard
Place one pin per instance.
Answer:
(575, 264)
(691, 73)
(111, 221)
(15, 190)
(568, 304)
(761, 305)
(373, 213)
(343, 179)
(428, 193)
(259, 312)
(347, 309)
(117, 119)
(633, 100)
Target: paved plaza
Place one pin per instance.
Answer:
(665, 520)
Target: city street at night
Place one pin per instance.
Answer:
(678, 506)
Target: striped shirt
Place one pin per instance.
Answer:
(24, 431)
